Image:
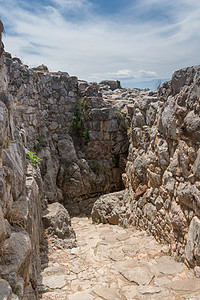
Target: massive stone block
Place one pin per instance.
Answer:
(57, 220)
(192, 249)
(109, 209)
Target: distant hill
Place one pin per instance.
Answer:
(150, 84)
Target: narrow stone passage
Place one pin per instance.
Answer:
(114, 263)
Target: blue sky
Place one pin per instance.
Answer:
(137, 42)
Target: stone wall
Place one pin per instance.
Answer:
(78, 164)
(79, 131)
(162, 173)
(21, 198)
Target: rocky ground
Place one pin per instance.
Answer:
(113, 263)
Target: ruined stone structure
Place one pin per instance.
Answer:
(92, 139)
(72, 129)
(162, 172)
(83, 148)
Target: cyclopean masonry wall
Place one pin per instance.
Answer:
(162, 180)
(79, 131)
(21, 202)
(76, 166)
(163, 170)
(21, 197)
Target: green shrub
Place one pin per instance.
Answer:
(33, 158)
(118, 84)
(80, 118)
(121, 119)
(86, 135)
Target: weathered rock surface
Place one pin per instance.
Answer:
(5, 290)
(81, 140)
(193, 242)
(164, 157)
(57, 221)
(79, 130)
(139, 275)
(21, 199)
(89, 272)
(109, 208)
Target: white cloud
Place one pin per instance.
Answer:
(124, 73)
(121, 74)
(95, 46)
(73, 5)
(147, 74)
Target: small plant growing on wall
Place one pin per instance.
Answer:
(33, 158)
(41, 143)
(80, 118)
(121, 119)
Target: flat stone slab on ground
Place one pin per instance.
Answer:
(140, 275)
(121, 269)
(81, 296)
(55, 295)
(191, 297)
(107, 293)
(54, 282)
(191, 284)
(148, 290)
(168, 268)
(132, 292)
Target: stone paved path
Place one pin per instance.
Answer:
(113, 263)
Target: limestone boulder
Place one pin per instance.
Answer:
(17, 258)
(140, 169)
(5, 290)
(182, 77)
(14, 159)
(113, 85)
(57, 221)
(163, 153)
(150, 211)
(178, 220)
(196, 167)
(109, 209)
(167, 119)
(66, 150)
(31, 213)
(151, 113)
(154, 177)
(192, 248)
(2, 226)
(3, 124)
(168, 181)
(192, 126)
(189, 195)
(51, 167)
